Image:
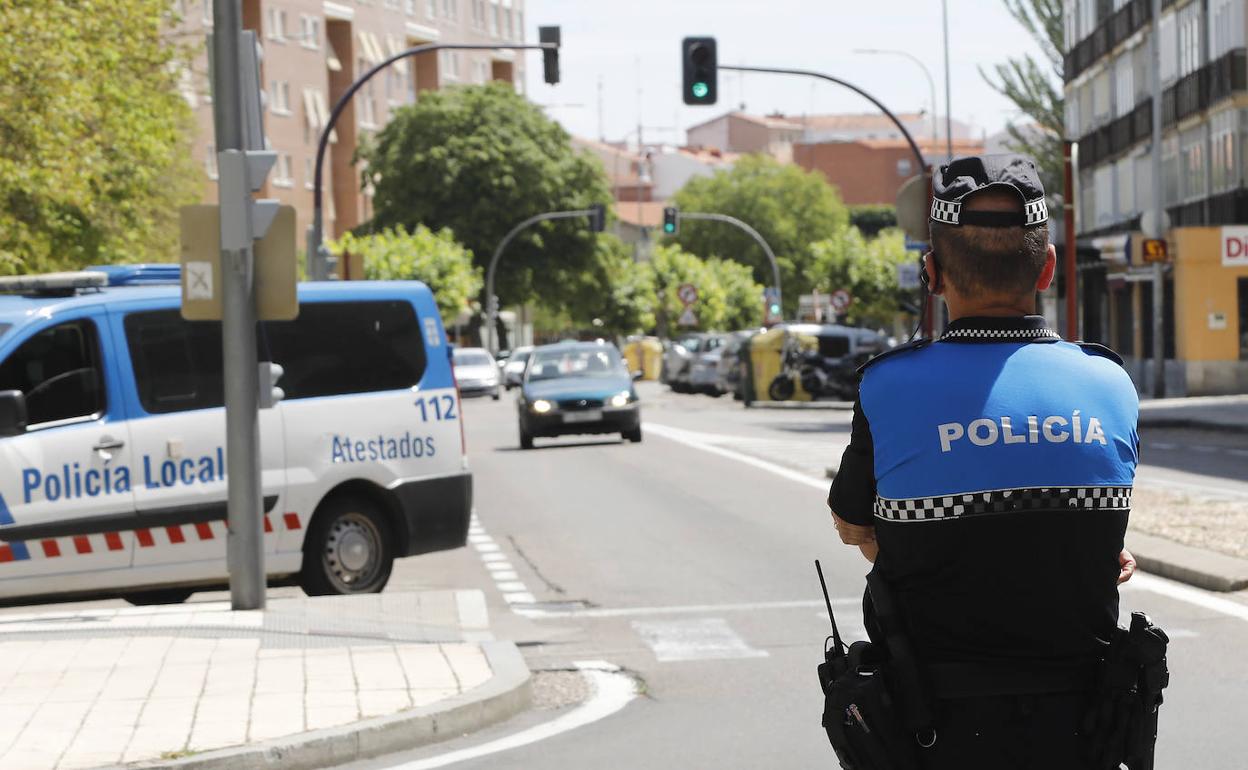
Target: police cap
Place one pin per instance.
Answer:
(964, 176)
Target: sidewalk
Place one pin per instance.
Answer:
(307, 682)
(1228, 413)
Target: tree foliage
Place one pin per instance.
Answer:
(867, 268)
(479, 160)
(1035, 88)
(437, 259)
(728, 295)
(871, 218)
(93, 134)
(790, 207)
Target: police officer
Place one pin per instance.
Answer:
(988, 477)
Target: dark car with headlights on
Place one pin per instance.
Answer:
(577, 388)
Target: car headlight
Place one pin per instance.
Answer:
(621, 399)
(542, 406)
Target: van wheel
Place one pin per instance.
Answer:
(158, 596)
(526, 439)
(349, 548)
(633, 435)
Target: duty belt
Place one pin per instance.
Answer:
(1024, 677)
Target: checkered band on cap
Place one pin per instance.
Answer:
(1004, 501)
(1036, 211)
(945, 211)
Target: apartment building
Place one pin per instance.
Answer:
(313, 50)
(1203, 185)
(872, 171)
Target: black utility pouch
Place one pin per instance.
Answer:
(860, 716)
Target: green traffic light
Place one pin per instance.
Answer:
(700, 89)
(775, 310)
(669, 228)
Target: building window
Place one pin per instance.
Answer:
(409, 7)
(207, 8)
(450, 9)
(279, 93)
(1124, 87)
(1101, 107)
(309, 173)
(431, 8)
(492, 17)
(903, 167)
(368, 105)
(309, 32)
(1144, 191)
(1223, 151)
(450, 65)
(1169, 41)
(509, 22)
(210, 161)
(1103, 182)
(1190, 39)
(1170, 169)
(1243, 319)
(277, 25)
(1141, 71)
(1194, 162)
(1226, 27)
(283, 176)
(1124, 177)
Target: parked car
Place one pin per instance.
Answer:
(112, 438)
(475, 372)
(577, 387)
(513, 368)
(678, 359)
(703, 370)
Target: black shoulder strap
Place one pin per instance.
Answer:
(915, 345)
(1097, 349)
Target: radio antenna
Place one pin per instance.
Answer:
(836, 634)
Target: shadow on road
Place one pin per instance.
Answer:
(573, 445)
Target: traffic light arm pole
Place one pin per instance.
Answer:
(914, 147)
(771, 257)
(491, 312)
(315, 237)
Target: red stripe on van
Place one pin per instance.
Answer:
(175, 534)
(6, 553)
(51, 549)
(82, 544)
(145, 537)
(292, 520)
(204, 530)
(268, 524)
(114, 541)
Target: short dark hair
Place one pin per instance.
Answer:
(991, 260)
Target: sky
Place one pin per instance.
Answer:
(634, 45)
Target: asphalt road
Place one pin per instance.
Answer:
(688, 560)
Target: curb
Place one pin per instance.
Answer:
(841, 406)
(1198, 567)
(506, 694)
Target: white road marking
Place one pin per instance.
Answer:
(486, 547)
(699, 639)
(508, 586)
(1203, 448)
(519, 597)
(1195, 596)
(697, 441)
(1160, 445)
(489, 557)
(1239, 452)
(1185, 593)
(481, 538)
(499, 566)
(505, 574)
(505, 578)
(612, 692)
(688, 609)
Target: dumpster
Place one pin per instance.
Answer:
(765, 359)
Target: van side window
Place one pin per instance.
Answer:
(58, 370)
(177, 363)
(334, 348)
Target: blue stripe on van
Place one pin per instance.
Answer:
(18, 549)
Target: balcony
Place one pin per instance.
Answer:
(1116, 137)
(1113, 28)
(1211, 83)
(1226, 208)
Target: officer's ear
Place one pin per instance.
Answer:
(931, 274)
(1050, 266)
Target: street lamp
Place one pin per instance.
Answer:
(931, 83)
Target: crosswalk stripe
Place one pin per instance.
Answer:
(694, 639)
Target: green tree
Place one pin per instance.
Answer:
(94, 135)
(728, 296)
(423, 255)
(791, 208)
(628, 302)
(871, 218)
(1035, 88)
(867, 268)
(480, 159)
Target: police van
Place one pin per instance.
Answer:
(112, 438)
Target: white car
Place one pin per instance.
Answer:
(476, 372)
(513, 367)
(112, 438)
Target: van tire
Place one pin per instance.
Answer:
(633, 435)
(158, 596)
(349, 548)
(526, 439)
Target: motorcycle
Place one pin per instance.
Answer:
(808, 367)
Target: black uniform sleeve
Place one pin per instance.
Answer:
(852, 496)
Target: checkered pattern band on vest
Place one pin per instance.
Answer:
(1004, 501)
(945, 211)
(1005, 335)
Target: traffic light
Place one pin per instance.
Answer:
(550, 56)
(771, 302)
(671, 220)
(597, 218)
(701, 70)
(270, 393)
